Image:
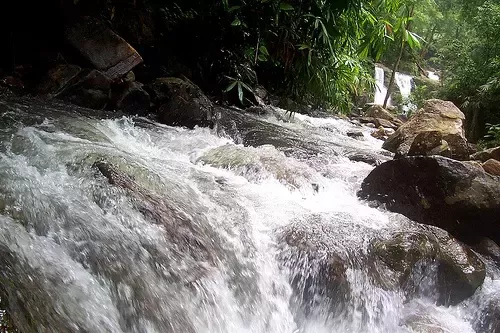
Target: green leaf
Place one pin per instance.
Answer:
(231, 86)
(286, 6)
(234, 8)
(236, 22)
(263, 50)
(303, 46)
(262, 57)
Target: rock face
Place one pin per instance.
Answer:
(458, 197)
(181, 103)
(415, 256)
(444, 122)
(103, 48)
(483, 156)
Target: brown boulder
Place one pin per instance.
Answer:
(385, 123)
(377, 111)
(483, 156)
(443, 119)
(103, 48)
(492, 167)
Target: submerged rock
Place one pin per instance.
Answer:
(487, 318)
(416, 257)
(458, 197)
(444, 122)
(181, 103)
(317, 267)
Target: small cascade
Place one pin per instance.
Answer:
(404, 82)
(433, 76)
(380, 88)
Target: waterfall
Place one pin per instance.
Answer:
(126, 225)
(380, 88)
(433, 76)
(404, 83)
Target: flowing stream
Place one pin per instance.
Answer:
(126, 225)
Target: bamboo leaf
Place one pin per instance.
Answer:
(286, 6)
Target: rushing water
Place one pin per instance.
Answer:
(380, 88)
(191, 239)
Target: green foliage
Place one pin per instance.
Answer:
(315, 51)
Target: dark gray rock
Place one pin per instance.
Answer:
(181, 103)
(458, 197)
(416, 256)
(131, 98)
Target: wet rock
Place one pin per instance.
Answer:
(458, 197)
(492, 167)
(355, 134)
(416, 256)
(57, 79)
(181, 103)
(488, 248)
(436, 116)
(12, 82)
(90, 88)
(317, 267)
(103, 48)
(483, 156)
(488, 318)
(259, 110)
(131, 98)
(460, 270)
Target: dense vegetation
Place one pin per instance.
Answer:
(317, 52)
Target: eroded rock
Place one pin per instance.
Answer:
(131, 98)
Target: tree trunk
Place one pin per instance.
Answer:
(393, 75)
(396, 65)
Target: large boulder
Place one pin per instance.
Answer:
(131, 98)
(415, 256)
(102, 47)
(456, 196)
(444, 120)
(181, 103)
